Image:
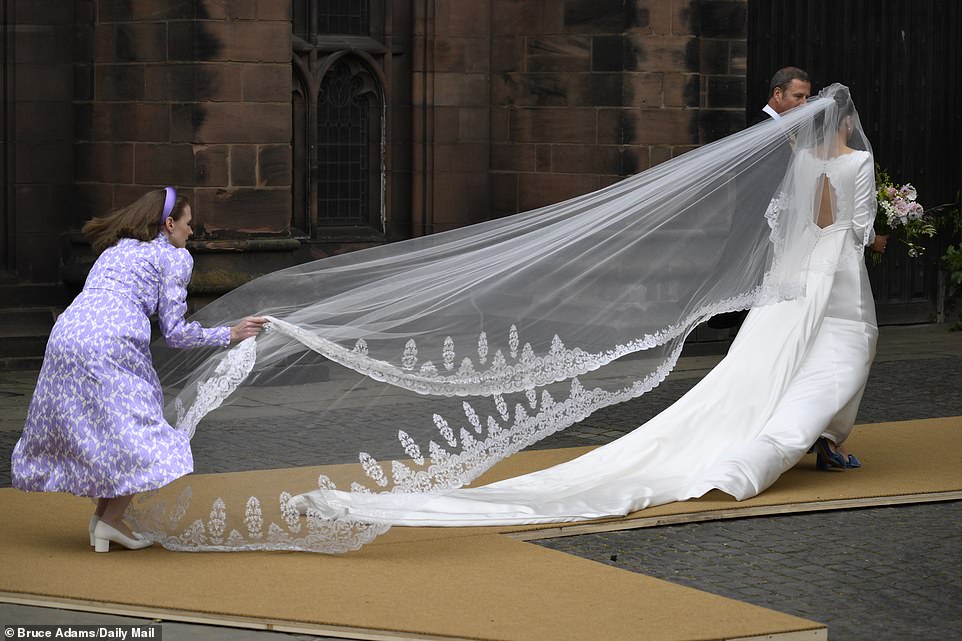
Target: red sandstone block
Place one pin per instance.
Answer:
(553, 125)
(238, 122)
(93, 200)
(274, 166)
(43, 121)
(42, 12)
(243, 165)
(461, 199)
(163, 164)
(664, 53)
(44, 82)
(681, 90)
(266, 82)
(461, 89)
(533, 89)
(558, 53)
(586, 159)
(192, 82)
(43, 206)
(543, 158)
(643, 89)
(211, 165)
(446, 127)
(553, 17)
(513, 157)
(538, 190)
(119, 82)
(142, 10)
(598, 89)
(474, 124)
(104, 162)
(516, 17)
(238, 9)
(652, 17)
(507, 53)
(38, 259)
(739, 57)
(252, 41)
(43, 43)
(469, 55)
(463, 18)
(275, 9)
(501, 124)
(459, 158)
(126, 121)
(649, 126)
(504, 194)
(683, 19)
(42, 162)
(131, 42)
(227, 212)
(659, 154)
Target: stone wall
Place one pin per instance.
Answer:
(38, 135)
(191, 94)
(585, 92)
(451, 114)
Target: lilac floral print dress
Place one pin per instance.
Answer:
(95, 426)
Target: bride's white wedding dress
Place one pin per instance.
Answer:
(796, 371)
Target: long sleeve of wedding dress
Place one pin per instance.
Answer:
(796, 371)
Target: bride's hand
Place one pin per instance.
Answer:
(880, 243)
(250, 326)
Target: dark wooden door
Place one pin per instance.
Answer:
(903, 63)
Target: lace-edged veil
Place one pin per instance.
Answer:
(414, 367)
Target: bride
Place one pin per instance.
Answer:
(795, 373)
(595, 297)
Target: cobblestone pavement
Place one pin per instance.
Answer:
(884, 574)
(881, 574)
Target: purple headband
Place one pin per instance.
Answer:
(168, 204)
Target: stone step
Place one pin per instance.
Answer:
(20, 363)
(13, 295)
(26, 322)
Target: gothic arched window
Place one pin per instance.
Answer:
(339, 117)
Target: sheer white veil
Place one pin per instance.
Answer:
(414, 367)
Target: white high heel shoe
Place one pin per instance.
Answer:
(105, 534)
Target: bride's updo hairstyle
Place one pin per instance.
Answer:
(140, 220)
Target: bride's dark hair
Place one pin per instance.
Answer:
(139, 220)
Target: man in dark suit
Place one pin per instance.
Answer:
(789, 88)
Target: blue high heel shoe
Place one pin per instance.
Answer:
(826, 458)
(852, 461)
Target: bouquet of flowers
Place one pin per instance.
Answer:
(900, 215)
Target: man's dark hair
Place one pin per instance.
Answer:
(783, 77)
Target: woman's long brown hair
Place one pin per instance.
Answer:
(139, 220)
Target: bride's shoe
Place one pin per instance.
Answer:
(826, 457)
(105, 534)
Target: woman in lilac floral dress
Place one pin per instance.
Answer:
(95, 425)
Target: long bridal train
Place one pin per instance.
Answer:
(405, 371)
(796, 371)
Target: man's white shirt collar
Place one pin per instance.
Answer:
(771, 112)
